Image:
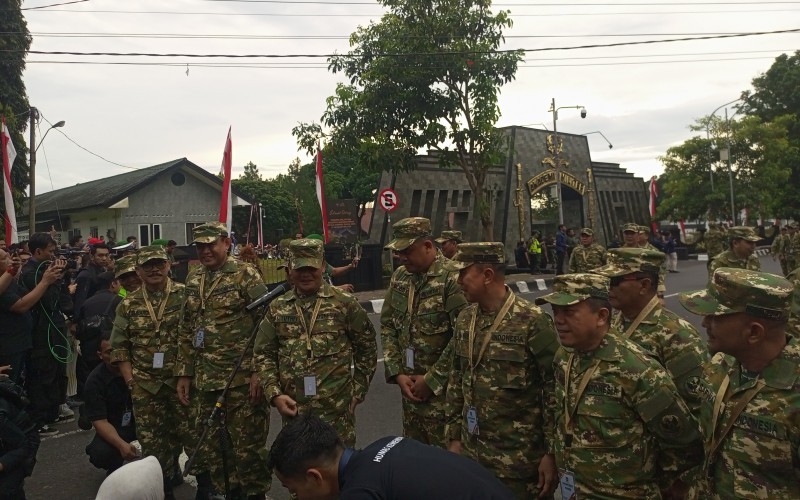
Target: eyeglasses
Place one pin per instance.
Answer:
(153, 264)
(617, 280)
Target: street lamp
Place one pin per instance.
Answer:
(610, 146)
(34, 148)
(556, 150)
(730, 170)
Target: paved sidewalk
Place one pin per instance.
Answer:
(372, 300)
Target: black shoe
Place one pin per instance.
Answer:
(45, 431)
(83, 420)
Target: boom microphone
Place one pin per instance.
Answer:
(270, 296)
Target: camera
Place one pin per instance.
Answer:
(583, 112)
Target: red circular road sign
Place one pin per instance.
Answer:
(387, 199)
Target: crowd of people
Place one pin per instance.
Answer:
(596, 390)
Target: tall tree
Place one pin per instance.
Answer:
(775, 98)
(426, 77)
(15, 42)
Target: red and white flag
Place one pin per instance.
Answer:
(9, 155)
(226, 204)
(682, 225)
(321, 195)
(258, 225)
(653, 196)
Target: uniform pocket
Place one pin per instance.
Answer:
(509, 365)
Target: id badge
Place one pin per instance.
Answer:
(126, 419)
(310, 385)
(567, 484)
(199, 338)
(410, 357)
(472, 421)
(158, 360)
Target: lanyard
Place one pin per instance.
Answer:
(160, 318)
(204, 296)
(639, 318)
(719, 402)
(473, 363)
(308, 329)
(568, 414)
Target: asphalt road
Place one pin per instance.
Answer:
(64, 472)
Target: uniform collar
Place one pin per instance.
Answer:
(325, 291)
(782, 372)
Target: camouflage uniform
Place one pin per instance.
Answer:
(510, 389)
(792, 249)
(778, 249)
(424, 325)
(715, 241)
(632, 435)
(161, 421)
(341, 334)
(752, 450)
(729, 259)
(124, 265)
(450, 236)
(670, 339)
(215, 304)
(587, 258)
(794, 310)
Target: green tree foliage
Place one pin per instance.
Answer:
(775, 99)
(14, 45)
(278, 203)
(426, 77)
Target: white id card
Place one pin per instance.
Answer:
(410, 357)
(567, 484)
(199, 338)
(310, 385)
(158, 360)
(472, 421)
(126, 419)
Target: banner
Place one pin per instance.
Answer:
(343, 221)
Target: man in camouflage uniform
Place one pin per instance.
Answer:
(449, 241)
(779, 247)
(307, 342)
(215, 329)
(125, 272)
(622, 430)
(740, 254)
(417, 319)
(640, 317)
(588, 255)
(501, 388)
(794, 312)
(630, 235)
(752, 395)
(715, 240)
(145, 344)
(636, 236)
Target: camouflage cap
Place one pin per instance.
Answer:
(569, 289)
(743, 232)
(407, 231)
(449, 235)
(479, 253)
(152, 252)
(125, 265)
(587, 231)
(283, 265)
(306, 252)
(643, 229)
(733, 290)
(162, 241)
(630, 227)
(209, 232)
(622, 261)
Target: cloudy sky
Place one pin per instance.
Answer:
(140, 111)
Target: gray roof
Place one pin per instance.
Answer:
(105, 192)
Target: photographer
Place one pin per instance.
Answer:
(46, 380)
(87, 278)
(19, 440)
(93, 318)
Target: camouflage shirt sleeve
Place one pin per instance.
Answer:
(252, 285)
(265, 355)
(668, 419)
(543, 344)
(184, 363)
(455, 388)
(390, 336)
(362, 338)
(572, 258)
(454, 302)
(120, 338)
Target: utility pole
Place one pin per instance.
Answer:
(32, 196)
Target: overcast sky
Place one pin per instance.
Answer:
(641, 97)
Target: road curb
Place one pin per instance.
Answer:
(374, 306)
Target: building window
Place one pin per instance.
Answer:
(189, 227)
(144, 235)
(93, 232)
(178, 179)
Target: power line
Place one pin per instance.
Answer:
(595, 4)
(83, 148)
(52, 5)
(464, 53)
(272, 14)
